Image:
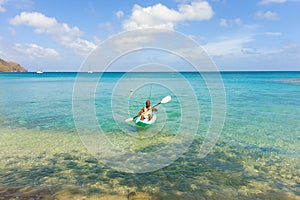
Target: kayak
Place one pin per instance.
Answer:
(145, 122)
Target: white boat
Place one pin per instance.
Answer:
(90, 71)
(39, 70)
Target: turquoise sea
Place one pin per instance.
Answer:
(43, 154)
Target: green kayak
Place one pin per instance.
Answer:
(145, 122)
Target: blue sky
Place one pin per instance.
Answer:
(57, 35)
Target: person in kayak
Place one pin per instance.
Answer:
(146, 111)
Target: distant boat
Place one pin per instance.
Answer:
(90, 71)
(39, 70)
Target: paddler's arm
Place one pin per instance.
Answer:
(154, 109)
(141, 111)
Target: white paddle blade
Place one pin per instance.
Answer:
(129, 119)
(166, 99)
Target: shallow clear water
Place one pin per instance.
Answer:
(257, 154)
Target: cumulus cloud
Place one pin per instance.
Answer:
(81, 46)
(35, 50)
(265, 2)
(119, 14)
(60, 32)
(160, 16)
(268, 15)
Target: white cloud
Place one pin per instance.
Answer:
(12, 31)
(249, 51)
(273, 33)
(35, 51)
(291, 48)
(268, 15)
(238, 48)
(265, 2)
(107, 26)
(18, 4)
(80, 46)
(60, 32)
(226, 47)
(238, 21)
(160, 16)
(226, 23)
(202, 39)
(2, 3)
(97, 40)
(223, 22)
(119, 14)
(133, 42)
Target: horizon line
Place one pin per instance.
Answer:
(159, 71)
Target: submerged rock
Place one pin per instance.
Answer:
(141, 196)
